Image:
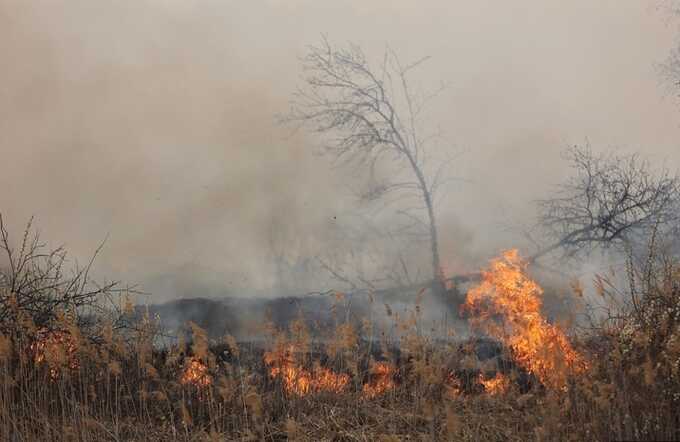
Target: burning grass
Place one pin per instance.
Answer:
(57, 350)
(526, 380)
(196, 373)
(299, 381)
(381, 380)
(499, 384)
(507, 306)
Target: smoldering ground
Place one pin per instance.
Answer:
(154, 122)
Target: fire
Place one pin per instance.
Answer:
(382, 380)
(196, 373)
(299, 381)
(507, 306)
(327, 380)
(499, 384)
(57, 349)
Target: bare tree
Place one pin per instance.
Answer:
(608, 201)
(370, 116)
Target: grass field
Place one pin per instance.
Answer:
(526, 379)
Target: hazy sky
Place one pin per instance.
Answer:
(153, 121)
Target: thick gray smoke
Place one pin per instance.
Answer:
(154, 121)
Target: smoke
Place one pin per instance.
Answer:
(154, 122)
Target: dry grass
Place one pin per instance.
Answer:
(60, 383)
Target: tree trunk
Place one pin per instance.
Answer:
(438, 279)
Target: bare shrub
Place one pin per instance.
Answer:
(37, 281)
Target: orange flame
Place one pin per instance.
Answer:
(507, 306)
(382, 380)
(57, 349)
(499, 384)
(196, 373)
(299, 381)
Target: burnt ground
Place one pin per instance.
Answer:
(241, 317)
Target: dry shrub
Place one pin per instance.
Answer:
(632, 390)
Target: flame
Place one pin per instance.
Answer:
(499, 384)
(299, 381)
(507, 306)
(57, 349)
(196, 373)
(382, 380)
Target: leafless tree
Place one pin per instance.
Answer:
(35, 281)
(368, 116)
(608, 201)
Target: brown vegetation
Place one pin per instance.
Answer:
(65, 379)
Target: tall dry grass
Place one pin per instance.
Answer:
(62, 382)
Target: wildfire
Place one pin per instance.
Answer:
(499, 384)
(507, 306)
(382, 380)
(299, 381)
(55, 348)
(196, 373)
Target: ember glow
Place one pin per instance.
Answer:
(381, 380)
(55, 348)
(196, 373)
(506, 305)
(299, 381)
